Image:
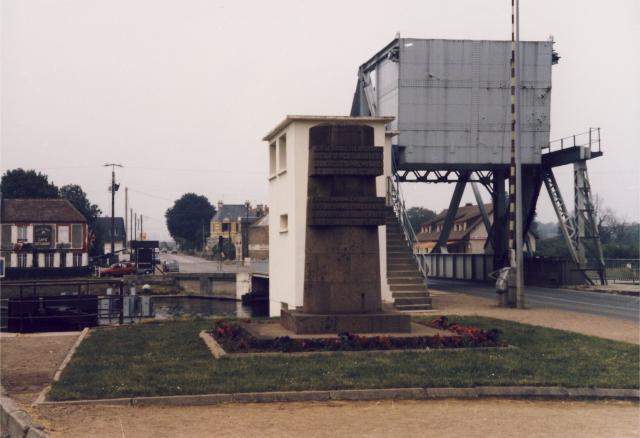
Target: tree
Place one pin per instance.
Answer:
(227, 251)
(418, 216)
(188, 220)
(20, 183)
(78, 198)
(91, 212)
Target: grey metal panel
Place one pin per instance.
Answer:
(468, 267)
(451, 101)
(387, 92)
(448, 267)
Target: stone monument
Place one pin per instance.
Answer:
(342, 259)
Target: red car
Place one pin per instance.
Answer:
(118, 270)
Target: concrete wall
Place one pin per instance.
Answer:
(15, 422)
(221, 285)
(382, 183)
(259, 243)
(288, 196)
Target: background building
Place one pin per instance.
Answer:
(43, 237)
(259, 239)
(468, 235)
(103, 228)
(228, 223)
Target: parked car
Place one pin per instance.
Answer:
(118, 270)
(170, 266)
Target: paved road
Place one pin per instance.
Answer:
(594, 303)
(193, 264)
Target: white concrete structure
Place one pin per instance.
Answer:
(288, 178)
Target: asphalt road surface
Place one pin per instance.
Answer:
(603, 304)
(594, 303)
(193, 264)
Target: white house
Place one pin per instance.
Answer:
(42, 234)
(288, 149)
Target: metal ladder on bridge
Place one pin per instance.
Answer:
(580, 233)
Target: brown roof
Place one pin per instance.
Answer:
(39, 210)
(467, 213)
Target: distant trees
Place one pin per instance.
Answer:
(619, 238)
(188, 220)
(227, 251)
(20, 183)
(418, 216)
(74, 194)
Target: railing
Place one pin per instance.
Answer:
(394, 194)
(67, 304)
(622, 270)
(473, 267)
(590, 139)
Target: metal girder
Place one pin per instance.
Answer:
(441, 245)
(483, 211)
(586, 221)
(483, 177)
(498, 233)
(566, 222)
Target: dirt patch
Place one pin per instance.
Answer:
(460, 304)
(477, 418)
(29, 362)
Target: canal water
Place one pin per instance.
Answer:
(175, 307)
(61, 313)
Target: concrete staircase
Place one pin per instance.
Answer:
(407, 284)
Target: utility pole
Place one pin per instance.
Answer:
(126, 216)
(141, 228)
(131, 234)
(204, 239)
(515, 171)
(135, 228)
(114, 188)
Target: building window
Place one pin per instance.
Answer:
(282, 154)
(22, 260)
(63, 234)
(226, 227)
(284, 223)
(272, 160)
(6, 236)
(48, 260)
(22, 233)
(77, 259)
(76, 236)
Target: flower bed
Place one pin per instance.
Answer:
(235, 339)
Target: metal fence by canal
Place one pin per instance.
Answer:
(56, 305)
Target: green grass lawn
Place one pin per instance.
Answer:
(168, 358)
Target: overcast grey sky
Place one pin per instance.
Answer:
(181, 92)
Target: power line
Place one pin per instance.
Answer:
(152, 196)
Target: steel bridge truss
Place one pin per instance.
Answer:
(579, 230)
(484, 177)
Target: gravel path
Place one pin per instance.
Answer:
(29, 362)
(444, 418)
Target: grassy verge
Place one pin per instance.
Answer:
(168, 358)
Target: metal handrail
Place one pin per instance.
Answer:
(590, 138)
(397, 202)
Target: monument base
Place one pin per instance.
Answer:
(307, 323)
